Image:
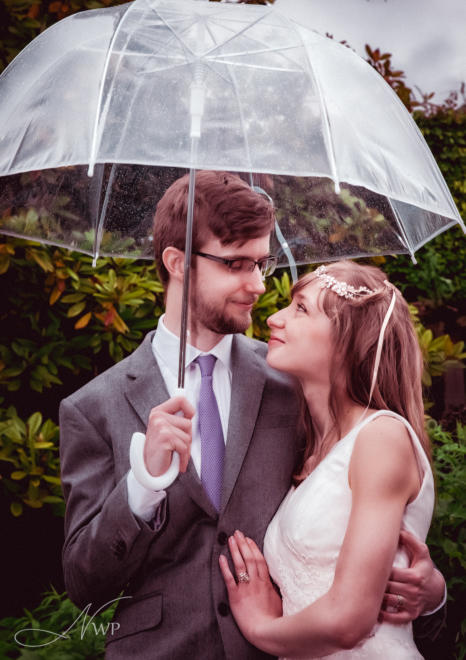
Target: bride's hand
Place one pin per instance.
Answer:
(253, 600)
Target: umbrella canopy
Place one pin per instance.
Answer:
(140, 93)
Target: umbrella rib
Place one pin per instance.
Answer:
(206, 62)
(174, 37)
(101, 92)
(327, 132)
(166, 68)
(215, 72)
(436, 233)
(207, 27)
(328, 136)
(100, 225)
(186, 63)
(142, 55)
(402, 230)
(177, 37)
(237, 34)
(265, 49)
(241, 115)
(23, 136)
(261, 67)
(261, 51)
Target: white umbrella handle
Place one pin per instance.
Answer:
(138, 466)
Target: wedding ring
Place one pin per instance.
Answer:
(243, 577)
(399, 602)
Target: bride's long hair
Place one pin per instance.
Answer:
(356, 325)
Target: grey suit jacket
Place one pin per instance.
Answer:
(178, 607)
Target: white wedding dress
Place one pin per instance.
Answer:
(304, 538)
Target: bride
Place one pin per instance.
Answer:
(349, 339)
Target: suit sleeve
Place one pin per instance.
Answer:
(105, 544)
(428, 628)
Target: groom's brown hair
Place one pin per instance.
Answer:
(224, 205)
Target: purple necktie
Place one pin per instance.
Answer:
(210, 427)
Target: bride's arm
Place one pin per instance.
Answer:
(383, 478)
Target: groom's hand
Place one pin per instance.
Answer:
(168, 431)
(415, 590)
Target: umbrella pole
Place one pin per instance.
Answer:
(196, 110)
(186, 278)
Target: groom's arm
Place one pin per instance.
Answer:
(105, 544)
(416, 593)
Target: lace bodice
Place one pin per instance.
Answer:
(304, 538)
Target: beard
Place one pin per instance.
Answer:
(216, 319)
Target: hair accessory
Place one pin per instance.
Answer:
(378, 351)
(347, 291)
(339, 287)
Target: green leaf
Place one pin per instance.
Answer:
(52, 480)
(34, 504)
(52, 499)
(72, 274)
(76, 309)
(17, 475)
(16, 509)
(73, 297)
(33, 424)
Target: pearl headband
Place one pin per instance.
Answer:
(339, 287)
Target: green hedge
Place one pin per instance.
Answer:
(63, 321)
(56, 613)
(59, 312)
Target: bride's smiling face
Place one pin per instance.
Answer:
(301, 337)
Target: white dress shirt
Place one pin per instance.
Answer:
(165, 346)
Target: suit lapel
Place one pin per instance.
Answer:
(145, 390)
(248, 381)
(145, 387)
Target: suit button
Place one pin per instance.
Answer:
(119, 549)
(222, 538)
(223, 609)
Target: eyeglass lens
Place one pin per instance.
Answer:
(266, 265)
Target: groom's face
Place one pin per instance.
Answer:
(222, 299)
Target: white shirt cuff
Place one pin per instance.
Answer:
(142, 501)
(436, 609)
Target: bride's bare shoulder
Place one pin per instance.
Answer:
(384, 426)
(383, 452)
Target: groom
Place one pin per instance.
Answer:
(160, 546)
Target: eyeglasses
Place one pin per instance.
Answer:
(266, 265)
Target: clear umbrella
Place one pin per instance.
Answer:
(104, 109)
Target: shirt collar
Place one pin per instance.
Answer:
(166, 346)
